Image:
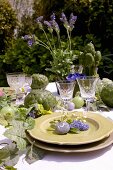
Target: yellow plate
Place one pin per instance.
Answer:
(72, 148)
(99, 128)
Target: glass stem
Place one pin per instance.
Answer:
(86, 109)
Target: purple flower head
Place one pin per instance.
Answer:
(39, 19)
(72, 20)
(65, 21)
(55, 26)
(52, 17)
(72, 77)
(48, 24)
(26, 37)
(63, 18)
(30, 42)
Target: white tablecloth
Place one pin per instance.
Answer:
(101, 159)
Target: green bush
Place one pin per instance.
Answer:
(94, 23)
(8, 23)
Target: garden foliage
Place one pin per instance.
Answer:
(94, 23)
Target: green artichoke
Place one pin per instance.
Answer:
(39, 81)
(107, 95)
(44, 97)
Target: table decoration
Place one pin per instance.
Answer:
(61, 51)
(99, 128)
(16, 128)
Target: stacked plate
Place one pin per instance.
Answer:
(98, 136)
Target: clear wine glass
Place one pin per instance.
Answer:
(27, 85)
(66, 89)
(16, 81)
(87, 86)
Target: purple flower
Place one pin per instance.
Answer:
(49, 26)
(55, 26)
(72, 77)
(26, 37)
(39, 19)
(30, 42)
(52, 17)
(72, 20)
(63, 18)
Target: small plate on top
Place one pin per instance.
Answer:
(99, 128)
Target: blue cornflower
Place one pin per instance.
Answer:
(74, 76)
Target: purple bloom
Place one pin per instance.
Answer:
(39, 19)
(48, 24)
(26, 37)
(53, 17)
(72, 77)
(30, 42)
(72, 20)
(63, 18)
(55, 26)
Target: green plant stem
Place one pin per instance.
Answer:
(47, 39)
(69, 38)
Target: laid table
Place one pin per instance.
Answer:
(100, 159)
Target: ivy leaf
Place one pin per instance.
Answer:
(10, 168)
(3, 122)
(9, 154)
(17, 129)
(12, 160)
(29, 124)
(34, 154)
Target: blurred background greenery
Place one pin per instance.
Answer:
(17, 18)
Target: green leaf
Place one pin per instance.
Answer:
(34, 154)
(10, 168)
(12, 160)
(17, 129)
(74, 130)
(29, 124)
(8, 154)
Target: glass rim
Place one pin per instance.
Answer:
(86, 77)
(65, 81)
(15, 73)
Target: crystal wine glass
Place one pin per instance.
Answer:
(66, 89)
(27, 85)
(87, 86)
(16, 81)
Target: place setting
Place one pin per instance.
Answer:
(73, 131)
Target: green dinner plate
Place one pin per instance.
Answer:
(99, 128)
